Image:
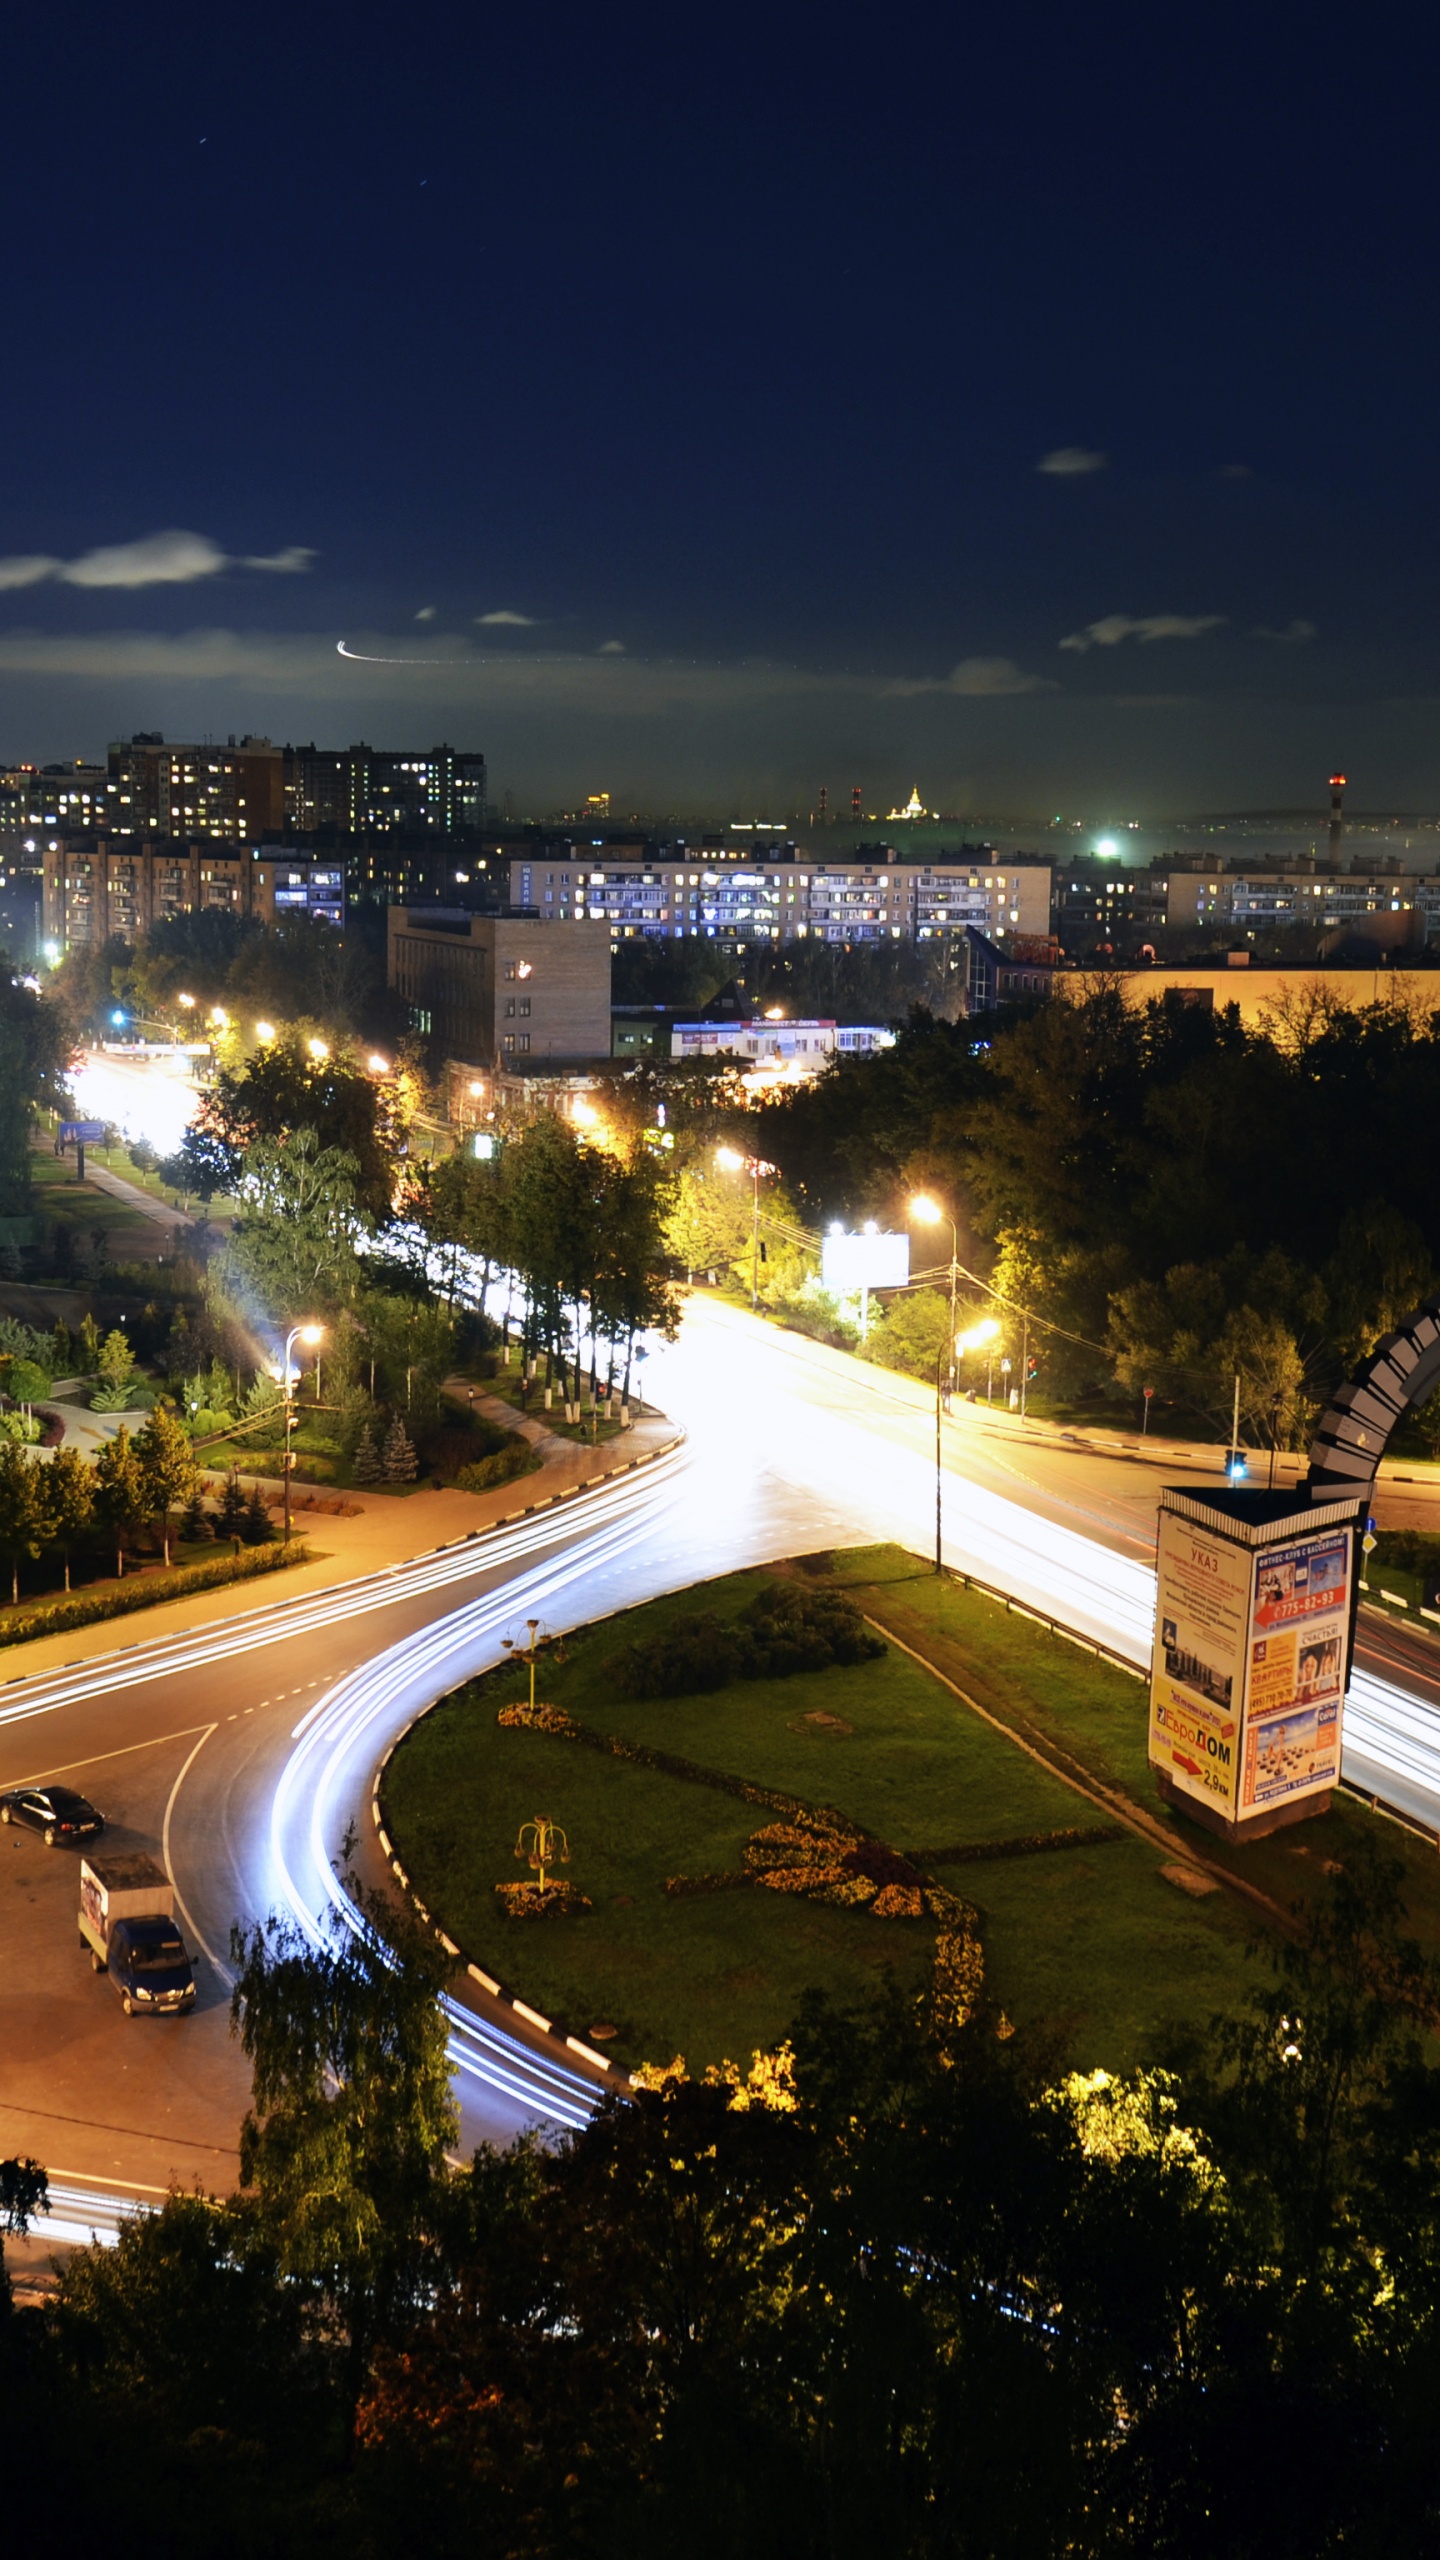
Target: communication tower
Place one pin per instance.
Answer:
(1337, 814)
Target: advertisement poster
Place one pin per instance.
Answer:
(1297, 1669)
(1197, 1682)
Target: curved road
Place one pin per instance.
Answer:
(244, 1755)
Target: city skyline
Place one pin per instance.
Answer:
(1019, 405)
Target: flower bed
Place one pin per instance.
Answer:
(529, 1902)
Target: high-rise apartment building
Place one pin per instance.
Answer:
(228, 795)
(34, 798)
(364, 790)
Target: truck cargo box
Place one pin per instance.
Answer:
(126, 1885)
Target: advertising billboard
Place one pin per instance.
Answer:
(1247, 1681)
(1197, 1680)
(1297, 1668)
(848, 1263)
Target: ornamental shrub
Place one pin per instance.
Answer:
(786, 1628)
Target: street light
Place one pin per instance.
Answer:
(730, 1161)
(297, 1333)
(264, 1030)
(929, 1213)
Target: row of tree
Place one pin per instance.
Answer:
(63, 1501)
(1181, 1195)
(899, 2288)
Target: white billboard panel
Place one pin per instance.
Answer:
(848, 1263)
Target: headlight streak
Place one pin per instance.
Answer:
(336, 1751)
(755, 1442)
(45, 1691)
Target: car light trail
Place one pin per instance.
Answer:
(330, 1770)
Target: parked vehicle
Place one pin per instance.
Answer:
(127, 1920)
(57, 1813)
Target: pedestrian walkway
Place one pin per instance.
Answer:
(387, 1529)
(143, 1202)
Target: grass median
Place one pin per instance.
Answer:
(1089, 1940)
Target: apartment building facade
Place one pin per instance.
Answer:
(228, 794)
(664, 893)
(363, 790)
(98, 886)
(499, 991)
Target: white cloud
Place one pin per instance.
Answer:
(426, 613)
(611, 649)
(282, 564)
(520, 621)
(1115, 627)
(977, 679)
(27, 568)
(1071, 462)
(158, 560)
(1293, 634)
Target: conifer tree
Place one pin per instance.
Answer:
(257, 1529)
(365, 1465)
(231, 1515)
(400, 1460)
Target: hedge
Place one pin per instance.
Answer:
(87, 1608)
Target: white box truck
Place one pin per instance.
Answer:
(127, 1920)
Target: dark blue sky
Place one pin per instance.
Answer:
(735, 341)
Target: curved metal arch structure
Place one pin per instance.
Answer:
(1353, 1432)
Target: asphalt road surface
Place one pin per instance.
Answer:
(243, 1755)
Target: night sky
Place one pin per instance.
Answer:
(1039, 406)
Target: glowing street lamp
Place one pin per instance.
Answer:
(186, 1003)
(377, 1065)
(319, 1050)
(264, 1030)
(310, 1333)
(731, 1161)
(928, 1213)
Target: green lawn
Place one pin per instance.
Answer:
(1091, 1942)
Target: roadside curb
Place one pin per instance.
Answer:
(615, 2074)
(370, 1579)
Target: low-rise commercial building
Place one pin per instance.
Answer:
(805, 1047)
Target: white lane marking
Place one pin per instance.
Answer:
(33, 1777)
(221, 1969)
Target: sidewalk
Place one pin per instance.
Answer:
(389, 1530)
(143, 1202)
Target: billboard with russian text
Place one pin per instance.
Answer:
(1247, 1682)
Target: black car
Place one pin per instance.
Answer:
(57, 1813)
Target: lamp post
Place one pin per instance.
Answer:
(939, 1361)
(297, 1333)
(730, 1160)
(930, 1214)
